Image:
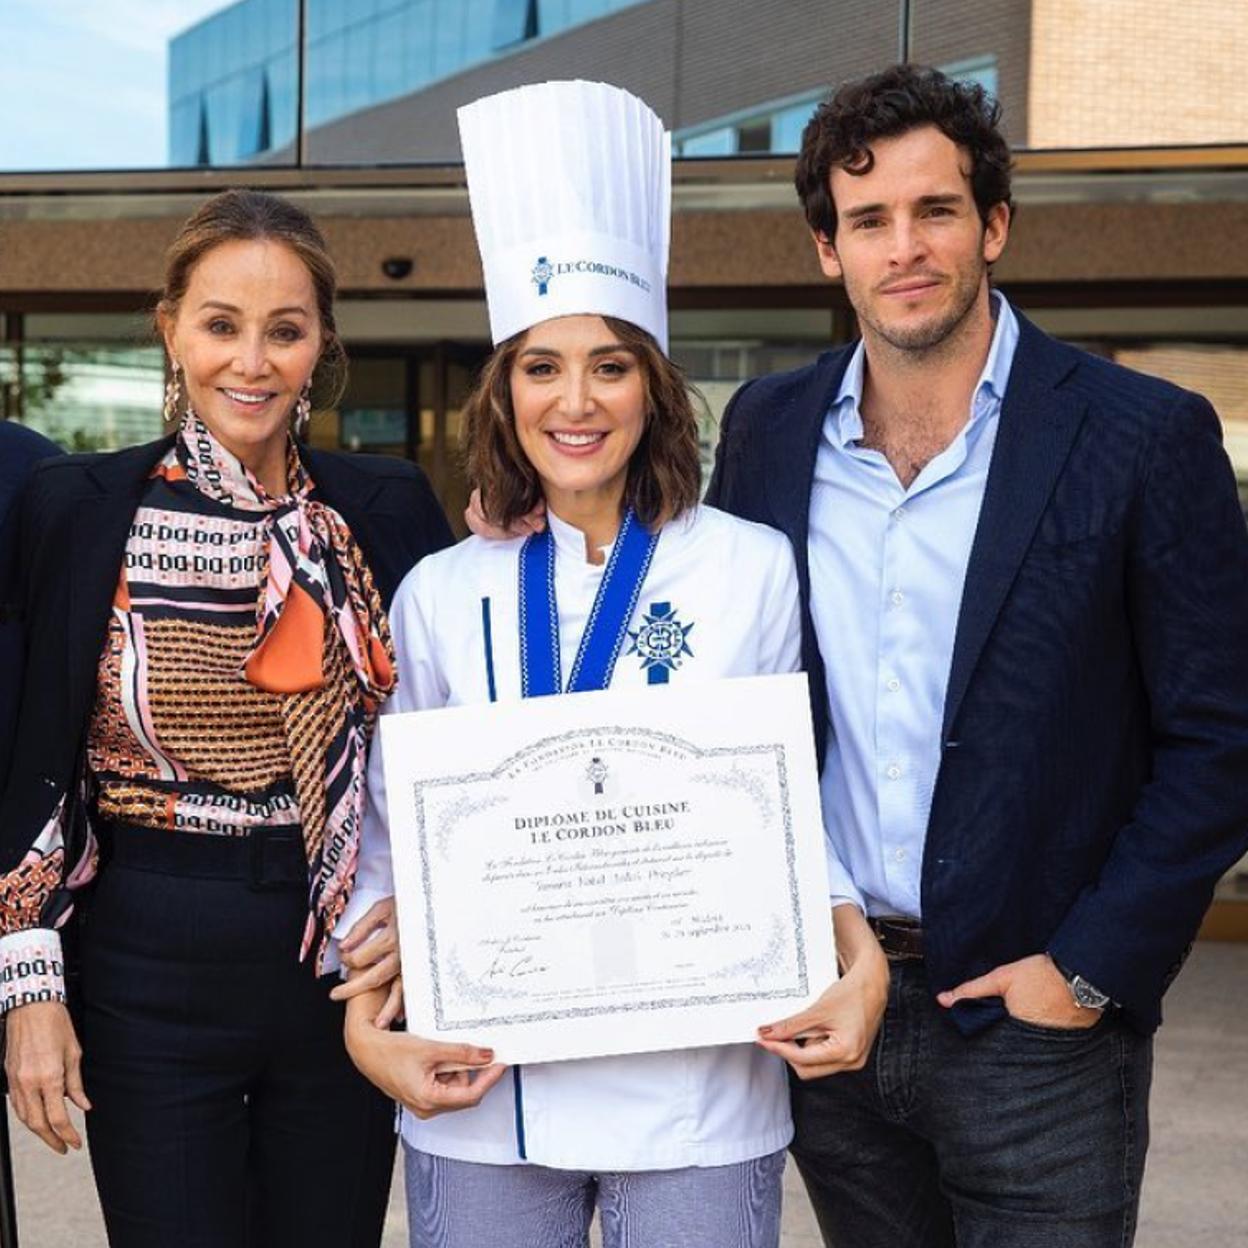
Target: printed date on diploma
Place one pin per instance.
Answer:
(609, 872)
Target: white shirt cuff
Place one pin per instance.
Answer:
(32, 968)
(841, 888)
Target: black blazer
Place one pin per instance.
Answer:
(74, 520)
(1094, 776)
(20, 450)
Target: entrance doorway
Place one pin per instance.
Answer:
(407, 401)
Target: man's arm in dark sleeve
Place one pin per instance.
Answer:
(1187, 588)
(20, 450)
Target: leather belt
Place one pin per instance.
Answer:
(900, 938)
(267, 858)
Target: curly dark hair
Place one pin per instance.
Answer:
(664, 474)
(892, 103)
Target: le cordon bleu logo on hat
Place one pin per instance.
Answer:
(545, 270)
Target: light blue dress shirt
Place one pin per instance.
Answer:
(887, 566)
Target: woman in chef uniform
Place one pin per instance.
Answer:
(580, 409)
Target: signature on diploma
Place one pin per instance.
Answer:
(512, 961)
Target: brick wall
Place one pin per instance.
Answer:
(1111, 73)
(1219, 373)
(946, 31)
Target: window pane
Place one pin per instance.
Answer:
(92, 396)
(429, 56)
(754, 137)
(514, 21)
(787, 126)
(721, 142)
(88, 381)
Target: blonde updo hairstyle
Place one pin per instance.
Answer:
(255, 216)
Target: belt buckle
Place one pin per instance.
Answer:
(900, 938)
(268, 874)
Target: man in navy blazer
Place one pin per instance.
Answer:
(1025, 584)
(20, 450)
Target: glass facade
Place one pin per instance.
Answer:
(233, 78)
(88, 382)
(233, 85)
(366, 52)
(776, 129)
(189, 83)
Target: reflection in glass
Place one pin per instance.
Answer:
(233, 85)
(362, 53)
(980, 69)
(514, 22)
(776, 130)
(86, 396)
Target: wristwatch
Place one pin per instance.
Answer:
(1087, 996)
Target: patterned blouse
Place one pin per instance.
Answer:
(196, 707)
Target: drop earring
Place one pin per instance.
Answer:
(303, 409)
(173, 393)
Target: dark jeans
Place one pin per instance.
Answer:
(226, 1113)
(1019, 1137)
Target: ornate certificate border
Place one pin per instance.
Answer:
(440, 832)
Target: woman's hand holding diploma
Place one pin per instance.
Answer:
(836, 1032)
(426, 1076)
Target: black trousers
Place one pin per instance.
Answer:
(225, 1111)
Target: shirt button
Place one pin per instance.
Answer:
(893, 685)
(898, 512)
(900, 855)
(893, 772)
(896, 597)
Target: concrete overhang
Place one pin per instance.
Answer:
(1131, 216)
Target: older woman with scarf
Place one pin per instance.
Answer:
(209, 647)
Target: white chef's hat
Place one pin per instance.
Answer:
(571, 191)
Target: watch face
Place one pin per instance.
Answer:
(1086, 995)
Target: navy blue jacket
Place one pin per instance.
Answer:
(20, 450)
(1094, 777)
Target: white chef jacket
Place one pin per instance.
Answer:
(733, 584)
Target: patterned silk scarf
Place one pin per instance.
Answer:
(322, 643)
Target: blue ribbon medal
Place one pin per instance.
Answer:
(540, 671)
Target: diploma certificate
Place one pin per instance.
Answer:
(609, 872)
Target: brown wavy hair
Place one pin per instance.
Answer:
(255, 216)
(664, 473)
(886, 105)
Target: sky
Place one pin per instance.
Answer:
(83, 82)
